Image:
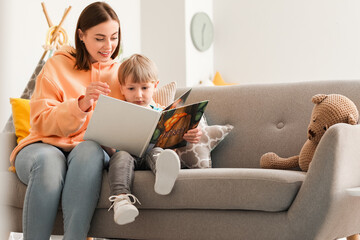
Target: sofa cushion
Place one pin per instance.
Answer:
(21, 117)
(242, 189)
(223, 188)
(197, 155)
(245, 189)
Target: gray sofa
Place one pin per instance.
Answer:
(236, 199)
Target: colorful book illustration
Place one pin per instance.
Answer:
(129, 127)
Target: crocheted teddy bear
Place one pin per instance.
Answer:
(328, 110)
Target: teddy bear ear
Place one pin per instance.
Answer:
(318, 98)
(352, 120)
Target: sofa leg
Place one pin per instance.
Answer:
(354, 237)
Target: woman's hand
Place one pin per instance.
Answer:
(92, 94)
(193, 135)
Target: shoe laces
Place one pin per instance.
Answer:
(128, 197)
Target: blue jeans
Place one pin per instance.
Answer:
(52, 175)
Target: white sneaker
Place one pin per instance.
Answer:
(124, 210)
(167, 170)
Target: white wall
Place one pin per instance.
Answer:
(287, 40)
(23, 29)
(3, 100)
(199, 65)
(165, 38)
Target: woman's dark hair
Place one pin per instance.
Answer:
(92, 15)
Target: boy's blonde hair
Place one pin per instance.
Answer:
(140, 68)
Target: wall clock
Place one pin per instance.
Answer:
(201, 31)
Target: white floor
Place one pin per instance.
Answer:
(18, 236)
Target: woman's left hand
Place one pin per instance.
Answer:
(193, 135)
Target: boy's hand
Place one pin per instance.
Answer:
(92, 94)
(193, 135)
(109, 150)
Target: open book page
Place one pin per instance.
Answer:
(179, 102)
(174, 123)
(122, 125)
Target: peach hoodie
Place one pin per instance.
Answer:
(55, 116)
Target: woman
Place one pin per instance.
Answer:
(54, 161)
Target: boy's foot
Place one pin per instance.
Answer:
(167, 170)
(124, 210)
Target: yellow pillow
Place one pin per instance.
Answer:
(219, 81)
(21, 117)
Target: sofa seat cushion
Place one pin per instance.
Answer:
(218, 188)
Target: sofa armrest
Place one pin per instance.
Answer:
(7, 144)
(323, 197)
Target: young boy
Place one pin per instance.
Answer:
(138, 80)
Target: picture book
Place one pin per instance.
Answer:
(129, 127)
